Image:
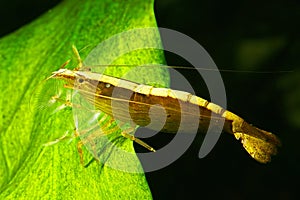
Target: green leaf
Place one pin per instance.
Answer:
(29, 170)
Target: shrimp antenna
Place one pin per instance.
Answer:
(75, 51)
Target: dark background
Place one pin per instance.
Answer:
(244, 35)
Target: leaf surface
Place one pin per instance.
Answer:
(29, 170)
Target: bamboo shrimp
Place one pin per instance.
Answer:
(103, 91)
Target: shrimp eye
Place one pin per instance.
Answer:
(80, 80)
